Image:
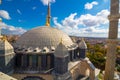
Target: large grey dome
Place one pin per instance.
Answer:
(43, 37)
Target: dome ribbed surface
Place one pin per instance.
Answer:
(43, 37)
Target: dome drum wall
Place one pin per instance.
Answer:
(26, 63)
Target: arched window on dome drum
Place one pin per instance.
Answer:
(25, 63)
(27, 60)
(52, 60)
(44, 61)
(22, 60)
(18, 60)
(34, 60)
(39, 61)
(30, 60)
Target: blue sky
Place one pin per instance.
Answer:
(86, 18)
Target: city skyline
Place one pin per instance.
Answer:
(81, 18)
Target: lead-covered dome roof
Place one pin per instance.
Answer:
(41, 37)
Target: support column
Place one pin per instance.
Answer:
(112, 40)
(52, 60)
(25, 60)
(44, 61)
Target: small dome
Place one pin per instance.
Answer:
(82, 44)
(61, 50)
(43, 37)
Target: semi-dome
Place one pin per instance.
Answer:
(43, 37)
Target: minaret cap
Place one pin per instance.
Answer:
(82, 44)
(48, 16)
(61, 50)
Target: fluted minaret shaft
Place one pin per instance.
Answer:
(112, 40)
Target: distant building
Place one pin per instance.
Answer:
(46, 53)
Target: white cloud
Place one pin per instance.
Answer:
(90, 5)
(4, 14)
(45, 2)
(98, 19)
(33, 8)
(19, 12)
(9, 29)
(86, 25)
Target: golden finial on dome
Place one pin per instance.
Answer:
(48, 16)
(0, 27)
(61, 40)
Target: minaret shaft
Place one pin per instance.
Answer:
(112, 40)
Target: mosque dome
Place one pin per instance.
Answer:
(44, 37)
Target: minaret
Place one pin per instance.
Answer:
(48, 16)
(112, 40)
(82, 49)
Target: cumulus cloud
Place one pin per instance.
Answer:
(9, 29)
(85, 25)
(19, 12)
(95, 20)
(90, 5)
(45, 2)
(4, 14)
